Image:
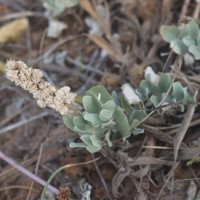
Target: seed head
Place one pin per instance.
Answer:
(33, 81)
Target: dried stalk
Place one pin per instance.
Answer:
(26, 172)
(46, 94)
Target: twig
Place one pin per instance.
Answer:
(96, 63)
(21, 123)
(53, 47)
(184, 10)
(10, 187)
(170, 175)
(26, 172)
(180, 135)
(197, 10)
(20, 14)
(36, 171)
(46, 76)
(87, 67)
(183, 129)
(194, 123)
(13, 115)
(102, 179)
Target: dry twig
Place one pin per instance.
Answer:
(183, 129)
(26, 172)
(23, 122)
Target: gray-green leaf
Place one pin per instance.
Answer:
(178, 47)
(121, 121)
(169, 33)
(178, 92)
(195, 51)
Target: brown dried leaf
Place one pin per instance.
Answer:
(110, 80)
(115, 53)
(86, 5)
(89, 8)
(12, 31)
(136, 74)
(144, 9)
(166, 6)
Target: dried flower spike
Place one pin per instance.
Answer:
(64, 193)
(45, 93)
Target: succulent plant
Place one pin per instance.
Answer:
(152, 94)
(100, 121)
(56, 7)
(183, 39)
(105, 118)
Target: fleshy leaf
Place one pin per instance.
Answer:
(68, 121)
(94, 141)
(89, 144)
(138, 115)
(154, 100)
(138, 131)
(178, 92)
(83, 132)
(195, 51)
(108, 125)
(109, 105)
(186, 95)
(86, 139)
(116, 98)
(145, 88)
(169, 33)
(188, 41)
(81, 126)
(100, 93)
(164, 82)
(58, 6)
(121, 121)
(192, 28)
(90, 105)
(105, 115)
(74, 145)
(93, 149)
(198, 39)
(93, 118)
(107, 137)
(135, 123)
(178, 47)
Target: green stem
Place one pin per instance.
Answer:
(60, 169)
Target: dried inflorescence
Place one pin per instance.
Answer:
(46, 94)
(64, 193)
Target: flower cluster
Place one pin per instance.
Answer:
(46, 94)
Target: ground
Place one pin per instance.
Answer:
(127, 40)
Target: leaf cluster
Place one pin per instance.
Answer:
(56, 7)
(105, 118)
(99, 121)
(152, 94)
(184, 38)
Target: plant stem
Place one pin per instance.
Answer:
(26, 172)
